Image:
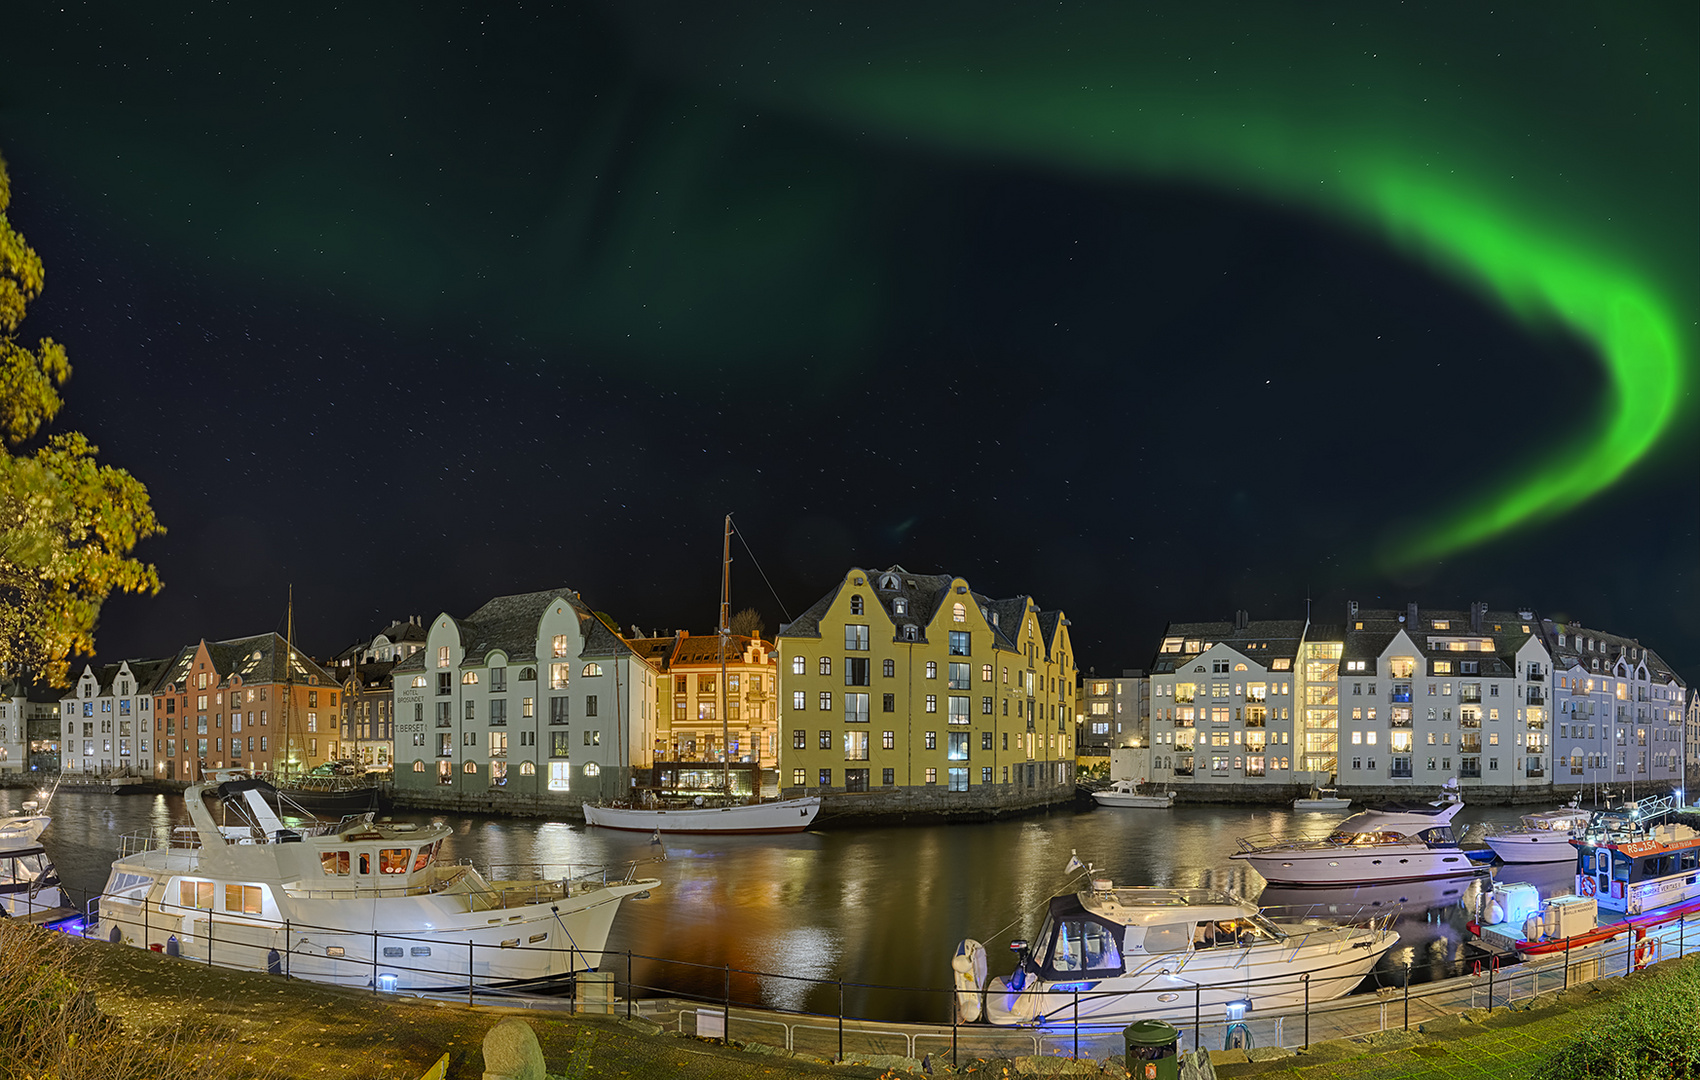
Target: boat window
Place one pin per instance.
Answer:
(1168, 937)
(1658, 866)
(1085, 945)
(423, 859)
(393, 860)
(1690, 859)
(243, 898)
(365, 863)
(1439, 836)
(392, 950)
(334, 862)
(421, 950)
(1587, 861)
(196, 894)
(1043, 954)
(1620, 867)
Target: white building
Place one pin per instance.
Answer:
(106, 720)
(530, 693)
(1619, 710)
(1222, 703)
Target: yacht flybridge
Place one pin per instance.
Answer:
(1109, 954)
(1394, 842)
(362, 903)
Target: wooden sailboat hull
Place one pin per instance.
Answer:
(786, 816)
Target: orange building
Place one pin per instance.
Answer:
(251, 703)
(693, 698)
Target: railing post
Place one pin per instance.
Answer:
(1492, 967)
(1305, 978)
(726, 1010)
(1566, 963)
(841, 1018)
(374, 961)
(628, 984)
(209, 936)
(1076, 1024)
(287, 949)
(1407, 996)
(470, 945)
(1198, 1015)
(955, 1016)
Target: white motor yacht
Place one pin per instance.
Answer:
(29, 885)
(1127, 793)
(1394, 842)
(1322, 798)
(362, 903)
(1109, 954)
(1541, 838)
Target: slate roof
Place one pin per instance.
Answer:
(657, 650)
(705, 649)
(924, 595)
(509, 623)
(1262, 640)
(259, 659)
(373, 676)
(1629, 649)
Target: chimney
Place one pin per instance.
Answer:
(1477, 611)
(1242, 620)
(1351, 610)
(1411, 616)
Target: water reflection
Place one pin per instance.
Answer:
(875, 907)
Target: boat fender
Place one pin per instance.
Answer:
(1495, 913)
(969, 970)
(1532, 928)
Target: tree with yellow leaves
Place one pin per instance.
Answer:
(67, 524)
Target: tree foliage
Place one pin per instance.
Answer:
(749, 623)
(67, 523)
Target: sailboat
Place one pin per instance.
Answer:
(334, 786)
(698, 815)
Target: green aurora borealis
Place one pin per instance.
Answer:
(1375, 125)
(674, 189)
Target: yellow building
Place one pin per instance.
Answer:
(914, 684)
(693, 696)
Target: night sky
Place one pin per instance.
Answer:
(1153, 316)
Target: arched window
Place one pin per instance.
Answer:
(470, 678)
(855, 605)
(958, 613)
(591, 768)
(526, 768)
(592, 670)
(419, 682)
(527, 674)
(418, 766)
(470, 767)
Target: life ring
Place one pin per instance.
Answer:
(1646, 952)
(1588, 886)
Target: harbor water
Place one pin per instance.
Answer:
(879, 908)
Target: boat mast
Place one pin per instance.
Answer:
(725, 632)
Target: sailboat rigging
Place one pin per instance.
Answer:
(786, 815)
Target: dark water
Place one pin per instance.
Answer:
(877, 908)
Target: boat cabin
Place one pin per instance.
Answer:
(1091, 935)
(1634, 870)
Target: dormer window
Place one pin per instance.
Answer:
(900, 607)
(908, 633)
(889, 581)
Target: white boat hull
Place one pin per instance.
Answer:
(1533, 847)
(789, 815)
(1322, 804)
(1345, 865)
(1144, 802)
(1177, 984)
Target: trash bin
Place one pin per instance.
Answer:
(1152, 1049)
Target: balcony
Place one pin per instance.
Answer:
(1470, 695)
(1535, 771)
(1470, 768)
(1183, 770)
(1400, 694)
(1401, 770)
(1398, 725)
(1536, 696)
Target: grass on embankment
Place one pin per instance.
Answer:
(1640, 1028)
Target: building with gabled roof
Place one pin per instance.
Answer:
(252, 703)
(29, 728)
(107, 719)
(692, 697)
(917, 692)
(1618, 711)
(530, 694)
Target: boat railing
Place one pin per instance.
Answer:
(1288, 842)
(573, 873)
(1325, 915)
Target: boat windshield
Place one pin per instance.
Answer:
(1085, 944)
(1366, 838)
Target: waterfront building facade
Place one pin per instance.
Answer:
(1114, 711)
(368, 714)
(531, 693)
(1619, 711)
(913, 684)
(1223, 706)
(108, 719)
(29, 729)
(250, 703)
(694, 696)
